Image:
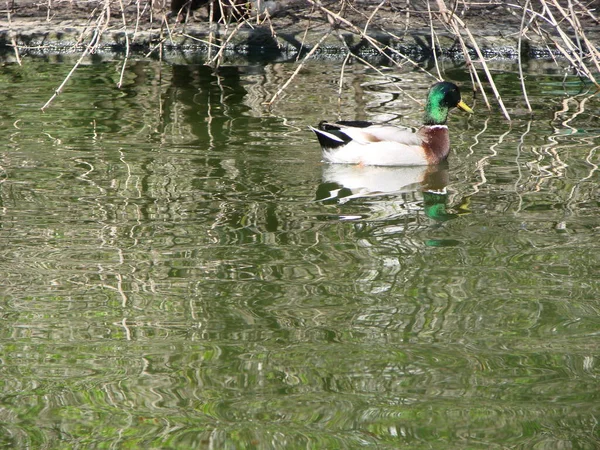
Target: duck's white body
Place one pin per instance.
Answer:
(383, 145)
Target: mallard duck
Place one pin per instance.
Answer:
(360, 142)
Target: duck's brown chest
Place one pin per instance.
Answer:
(436, 142)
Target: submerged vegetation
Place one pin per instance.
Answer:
(362, 31)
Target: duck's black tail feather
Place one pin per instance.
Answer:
(330, 135)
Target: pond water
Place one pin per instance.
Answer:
(180, 270)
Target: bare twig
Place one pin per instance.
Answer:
(341, 82)
(166, 23)
(211, 25)
(224, 45)
(120, 82)
(101, 25)
(373, 15)
(580, 35)
(12, 35)
(521, 32)
(472, 71)
(457, 22)
(385, 50)
(396, 85)
(87, 50)
(433, 48)
(289, 80)
(568, 49)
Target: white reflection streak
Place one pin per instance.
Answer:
(193, 311)
(480, 165)
(3, 177)
(122, 159)
(295, 129)
(126, 197)
(588, 159)
(57, 141)
(476, 137)
(209, 120)
(594, 168)
(557, 167)
(126, 328)
(579, 111)
(84, 176)
(120, 290)
(520, 177)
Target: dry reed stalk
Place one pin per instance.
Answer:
(266, 17)
(475, 80)
(120, 82)
(83, 55)
(13, 41)
(433, 38)
(333, 17)
(373, 15)
(458, 24)
(300, 66)
(521, 76)
(569, 50)
(204, 41)
(554, 21)
(576, 54)
(587, 12)
(223, 46)
(591, 51)
(165, 22)
(137, 18)
(211, 25)
(341, 81)
(308, 24)
(594, 54)
(158, 46)
(101, 25)
(396, 85)
(85, 32)
(229, 14)
(104, 24)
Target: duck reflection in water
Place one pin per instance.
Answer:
(423, 187)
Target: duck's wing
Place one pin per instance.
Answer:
(366, 132)
(381, 133)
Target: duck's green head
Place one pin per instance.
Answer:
(441, 98)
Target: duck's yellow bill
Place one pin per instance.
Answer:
(462, 105)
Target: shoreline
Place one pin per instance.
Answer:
(287, 36)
